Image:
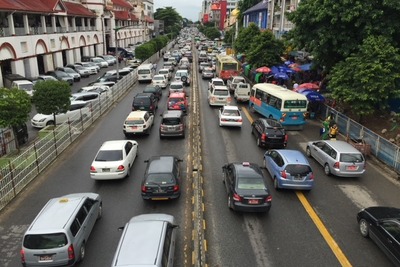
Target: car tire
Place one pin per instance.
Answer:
(327, 170)
(50, 123)
(259, 142)
(276, 184)
(364, 228)
(128, 173)
(82, 252)
(100, 214)
(308, 152)
(271, 117)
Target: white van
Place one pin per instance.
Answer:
(145, 73)
(242, 92)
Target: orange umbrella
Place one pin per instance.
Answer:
(263, 70)
(311, 86)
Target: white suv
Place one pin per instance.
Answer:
(183, 76)
(219, 96)
(216, 81)
(138, 122)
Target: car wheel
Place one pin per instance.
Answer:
(50, 123)
(230, 204)
(128, 173)
(100, 214)
(276, 185)
(264, 163)
(326, 169)
(308, 152)
(82, 252)
(364, 228)
(258, 142)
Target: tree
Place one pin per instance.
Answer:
(367, 79)
(52, 97)
(172, 19)
(333, 30)
(229, 35)
(212, 33)
(15, 105)
(265, 50)
(246, 37)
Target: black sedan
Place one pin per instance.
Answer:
(155, 89)
(246, 187)
(382, 225)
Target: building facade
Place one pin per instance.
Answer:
(38, 36)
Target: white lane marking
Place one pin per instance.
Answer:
(358, 195)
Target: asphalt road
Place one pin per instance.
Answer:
(289, 235)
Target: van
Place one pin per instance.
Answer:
(58, 234)
(145, 73)
(242, 92)
(145, 101)
(147, 240)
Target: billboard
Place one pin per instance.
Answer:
(205, 18)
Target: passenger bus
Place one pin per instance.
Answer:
(281, 104)
(226, 66)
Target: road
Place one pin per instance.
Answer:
(316, 228)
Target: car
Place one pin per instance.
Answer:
(234, 81)
(162, 178)
(155, 89)
(218, 96)
(93, 69)
(84, 72)
(77, 110)
(177, 101)
(172, 123)
(160, 80)
(145, 101)
(337, 157)
(289, 169)
(103, 90)
(216, 81)
(269, 133)
(169, 65)
(114, 160)
(89, 97)
(134, 63)
(165, 72)
(230, 116)
(41, 78)
(109, 84)
(138, 122)
(242, 92)
(382, 225)
(166, 56)
(176, 87)
(61, 76)
(203, 65)
(207, 73)
(111, 60)
(112, 76)
(173, 60)
(71, 72)
(183, 76)
(61, 230)
(246, 187)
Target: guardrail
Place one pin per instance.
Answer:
(17, 172)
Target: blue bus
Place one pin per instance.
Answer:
(275, 102)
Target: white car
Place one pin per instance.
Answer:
(101, 62)
(160, 80)
(176, 87)
(219, 96)
(138, 122)
(114, 160)
(165, 72)
(74, 113)
(183, 76)
(92, 69)
(216, 81)
(103, 90)
(230, 116)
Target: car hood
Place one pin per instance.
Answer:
(381, 213)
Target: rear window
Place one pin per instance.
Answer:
(228, 112)
(298, 169)
(45, 241)
(351, 157)
(109, 155)
(144, 71)
(134, 121)
(175, 99)
(295, 104)
(218, 83)
(250, 183)
(176, 86)
(221, 92)
(171, 121)
(141, 101)
(159, 178)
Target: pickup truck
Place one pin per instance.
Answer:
(234, 81)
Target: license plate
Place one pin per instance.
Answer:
(106, 169)
(351, 168)
(45, 258)
(253, 201)
(159, 198)
(133, 127)
(298, 178)
(221, 98)
(294, 117)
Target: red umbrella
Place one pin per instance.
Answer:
(263, 70)
(311, 86)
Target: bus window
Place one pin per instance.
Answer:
(295, 104)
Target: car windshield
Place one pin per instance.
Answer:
(158, 78)
(144, 71)
(45, 241)
(218, 83)
(159, 179)
(109, 155)
(221, 92)
(149, 90)
(176, 86)
(298, 169)
(250, 183)
(141, 101)
(134, 121)
(174, 100)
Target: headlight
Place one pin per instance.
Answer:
(42, 120)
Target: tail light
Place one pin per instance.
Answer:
(286, 138)
(312, 176)
(176, 188)
(163, 127)
(92, 169)
(236, 197)
(144, 190)
(240, 120)
(264, 137)
(71, 253)
(283, 174)
(22, 252)
(268, 199)
(121, 168)
(224, 120)
(151, 107)
(336, 165)
(181, 127)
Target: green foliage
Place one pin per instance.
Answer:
(229, 35)
(246, 38)
(265, 50)
(15, 106)
(212, 33)
(366, 79)
(172, 20)
(52, 97)
(144, 51)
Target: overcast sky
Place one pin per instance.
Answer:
(186, 8)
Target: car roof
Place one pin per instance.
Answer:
(216, 79)
(159, 75)
(84, 93)
(293, 156)
(113, 144)
(161, 164)
(136, 114)
(231, 107)
(342, 146)
(247, 169)
(172, 114)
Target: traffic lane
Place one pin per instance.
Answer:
(252, 239)
(121, 199)
(337, 201)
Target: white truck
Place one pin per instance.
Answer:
(19, 82)
(242, 92)
(234, 81)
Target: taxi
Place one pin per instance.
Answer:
(138, 122)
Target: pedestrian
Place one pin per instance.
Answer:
(155, 67)
(324, 131)
(333, 131)
(295, 85)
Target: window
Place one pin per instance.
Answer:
(81, 216)
(295, 104)
(128, 147)
(167, 245)
(75, 226)
(351, 157)
(45, 241)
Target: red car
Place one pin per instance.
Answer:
(178, 101)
